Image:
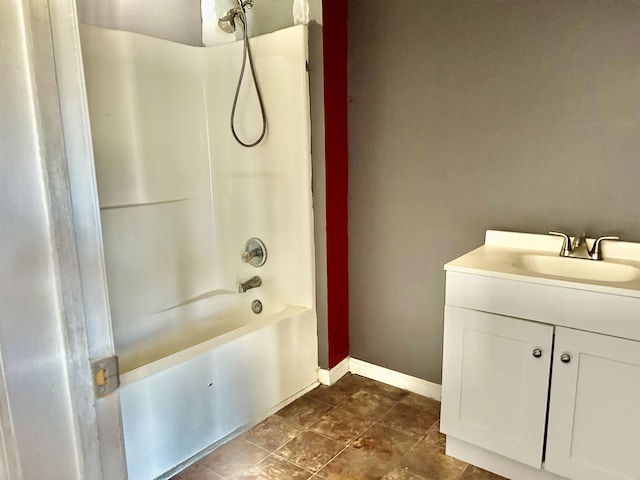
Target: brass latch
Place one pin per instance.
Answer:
(106, 376)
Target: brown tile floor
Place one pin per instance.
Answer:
(357, 429)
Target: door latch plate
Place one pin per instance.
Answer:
(106, 377)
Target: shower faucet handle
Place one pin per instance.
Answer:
(248, 255)
(255, 252)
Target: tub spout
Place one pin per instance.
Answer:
(253, 282)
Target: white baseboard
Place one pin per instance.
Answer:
(329, 377)
(381, 374)
(396, 379)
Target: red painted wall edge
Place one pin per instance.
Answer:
(334, 34)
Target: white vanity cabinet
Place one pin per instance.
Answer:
(495, 394)
(496, 372)
(594, 408)
(541, 374)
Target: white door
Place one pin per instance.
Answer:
(495, 381)
(595, 394)
(54, 312)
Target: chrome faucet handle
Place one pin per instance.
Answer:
(566, 244)
(247, 255)
(596, 252)
(255, 252)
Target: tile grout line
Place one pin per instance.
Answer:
(377, 421)
(422, 437)
(348, 444)
(307, 429)
(211, 470)
(295, 464)
(330, 460)
(269, 453)
(408, 434)
(462, 472)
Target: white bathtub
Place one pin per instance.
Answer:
(179, 199)
(197, 327)
(179, 405)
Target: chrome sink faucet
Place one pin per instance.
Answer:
(579, 248)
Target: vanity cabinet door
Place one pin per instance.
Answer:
(594, 409)
(495, 382)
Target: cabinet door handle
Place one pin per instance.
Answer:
(565, 358)
(537, 352)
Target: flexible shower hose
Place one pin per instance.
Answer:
(247, 53)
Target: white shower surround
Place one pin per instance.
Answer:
(179, 198)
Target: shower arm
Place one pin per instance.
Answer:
(226, 22)
(242, 5)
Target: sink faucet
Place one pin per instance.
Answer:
(253, 282)
(579, 248)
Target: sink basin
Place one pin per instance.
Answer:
(578, 269)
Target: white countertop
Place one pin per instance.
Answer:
(503, 251)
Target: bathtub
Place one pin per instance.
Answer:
(179, 199)
(176, 407)
(205, 325)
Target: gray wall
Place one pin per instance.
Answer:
(471, 115)
(177, 20)
(181, 20)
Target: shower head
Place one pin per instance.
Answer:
(227, 22)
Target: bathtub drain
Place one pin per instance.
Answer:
(256, 306)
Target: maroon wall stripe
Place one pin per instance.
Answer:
(334, 34)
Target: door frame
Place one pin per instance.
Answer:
(85, 209)
(62, 139)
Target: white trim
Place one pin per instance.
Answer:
(396, 379)
(329, 377)
(97, 415)
(495, 463)
(381, 374)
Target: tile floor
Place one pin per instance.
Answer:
(357, 429)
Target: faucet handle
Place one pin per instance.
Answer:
(255, 252)
(566, 244)
(596, 252)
